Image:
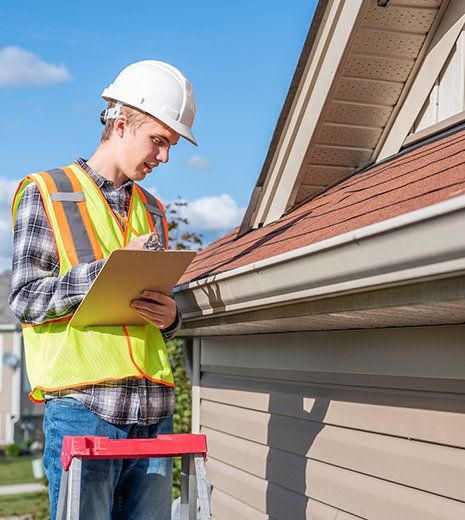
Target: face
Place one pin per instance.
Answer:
(142, 149)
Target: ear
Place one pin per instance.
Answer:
(120, 125)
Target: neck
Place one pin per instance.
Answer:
(103, 162)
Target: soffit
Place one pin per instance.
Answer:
(313, 149)
(451, 313)
(366, 92)
(438, 302)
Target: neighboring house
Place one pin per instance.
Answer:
(327, 333)
(19, 417)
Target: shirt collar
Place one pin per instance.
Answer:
(99, 179)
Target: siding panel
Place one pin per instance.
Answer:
(352, 492)
(225, 507)
(431, 468)
(379, 500)
(229, 483)
(402, 414)
(326, 445)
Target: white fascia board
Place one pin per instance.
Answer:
(420, 245)
(313, 92)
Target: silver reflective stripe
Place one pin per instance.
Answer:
(68, 197)
(154, 210)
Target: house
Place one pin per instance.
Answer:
(327, 332)
(19, 417)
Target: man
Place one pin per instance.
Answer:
(109, 381)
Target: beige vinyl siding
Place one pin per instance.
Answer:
(336, 425)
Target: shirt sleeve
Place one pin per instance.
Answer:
(38, 293)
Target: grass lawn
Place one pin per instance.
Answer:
(33, 503)
(17, 470)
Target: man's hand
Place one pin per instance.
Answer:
(156, 308)
(138, 242)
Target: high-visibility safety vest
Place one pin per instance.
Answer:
(59, 356)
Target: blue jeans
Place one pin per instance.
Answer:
(118, 489)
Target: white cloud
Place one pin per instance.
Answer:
(197, 162)
(21, 67)
(210, 215)
(213, 213)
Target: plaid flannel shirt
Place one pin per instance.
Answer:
(38, 293)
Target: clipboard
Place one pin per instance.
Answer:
(126, 273)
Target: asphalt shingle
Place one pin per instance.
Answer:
(414, 180)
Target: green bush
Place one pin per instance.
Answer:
(12, 450)
(182, 414)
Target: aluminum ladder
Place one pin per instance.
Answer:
(191, 448)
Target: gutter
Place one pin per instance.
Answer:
(420, 245)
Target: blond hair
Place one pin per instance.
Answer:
(136, 118)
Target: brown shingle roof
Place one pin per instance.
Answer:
(425, 176)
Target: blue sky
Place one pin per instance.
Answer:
(240, 57)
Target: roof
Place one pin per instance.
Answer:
(410, 181)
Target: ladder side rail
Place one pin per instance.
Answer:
(74, 490)
(63, 496)
(203, 487)
(188, 488)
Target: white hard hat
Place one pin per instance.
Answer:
(159, 89)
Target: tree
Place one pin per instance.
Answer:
(178, 238)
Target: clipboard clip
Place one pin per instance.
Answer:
(153, 243)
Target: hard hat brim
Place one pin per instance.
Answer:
(181, 129)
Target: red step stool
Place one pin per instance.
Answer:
(191, 448)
